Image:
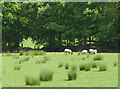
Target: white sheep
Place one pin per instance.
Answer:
(84, 52)
(24, 39)
(68, 51)
(93, 51)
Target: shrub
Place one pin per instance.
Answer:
(78, 53)
(16, 67)
(85, 67)
(23, 60)
(115, 64)
(82, 67)
(16, 56)
(47, 58)
(94, 65)
(35, 52)
(2, 54)
(46, 76)
(72, 75)
(67, 66)
(103, 67)
(60, 65)
(8, 53)
(31, 81)
(19, 61)
(31, 52)
(74, 67)
(26, 59)
(43, 61)
(26, 53)
(21, 52)
(88, 66)
(98, 58)
(32, 55)
(41, 52)
(38, 61)
(83, 58)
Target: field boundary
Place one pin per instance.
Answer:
(60, 88)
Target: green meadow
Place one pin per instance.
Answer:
(35, 36)
(92, 78)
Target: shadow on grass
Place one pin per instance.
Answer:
(68, 80)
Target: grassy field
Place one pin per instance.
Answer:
(92, 78)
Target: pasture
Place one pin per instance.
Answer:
(56, 63)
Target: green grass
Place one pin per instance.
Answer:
(92, 78)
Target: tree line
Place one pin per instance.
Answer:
(57, 25)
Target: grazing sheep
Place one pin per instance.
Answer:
(84, 52)
(92, 51)
(68, 51)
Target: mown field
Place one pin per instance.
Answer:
(12, 77)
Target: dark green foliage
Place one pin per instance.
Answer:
(72, 75)
(21, 52)
(60, 65)
(103, 67)
(56, 32)
(98, 58)
(67, 66)
(31, 81)
(46, 75)
(17, 67)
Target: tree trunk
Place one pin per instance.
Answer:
(67, 42)
(16, 44)
(90, 40)
(74, 42)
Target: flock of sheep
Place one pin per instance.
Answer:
(91, 51)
